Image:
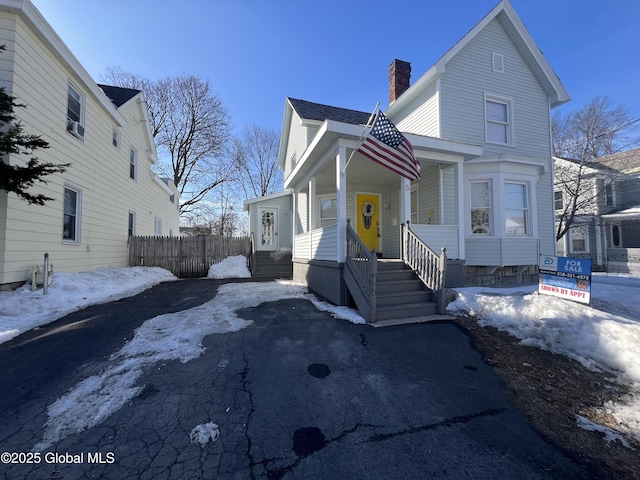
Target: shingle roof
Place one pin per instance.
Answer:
(625, 162)
(119, 95)
(320, 112)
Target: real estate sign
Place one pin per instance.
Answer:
(565, 277)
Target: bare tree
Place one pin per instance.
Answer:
(255, 156)
(597, 130)
(191, 129)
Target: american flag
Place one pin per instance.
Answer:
(387, 146)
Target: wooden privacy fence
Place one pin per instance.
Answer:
(185, 257)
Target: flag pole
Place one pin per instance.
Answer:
(369, 124)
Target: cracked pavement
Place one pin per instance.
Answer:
(296, 395)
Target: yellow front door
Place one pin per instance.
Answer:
(368, 213)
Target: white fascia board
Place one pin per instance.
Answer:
(443, 145)
(284, 134)
(329, 131)
(266, 198)
(163, 185)
(26, 10)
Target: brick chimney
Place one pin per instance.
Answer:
(399, 79)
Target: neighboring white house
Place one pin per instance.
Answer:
(606, 226)
(479, 123)
(109, 191)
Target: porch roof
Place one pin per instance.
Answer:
(332, 132)
(632, 213)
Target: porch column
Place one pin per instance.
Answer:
(405, 200)
(341, 200)
(313, 204)
(462, 226)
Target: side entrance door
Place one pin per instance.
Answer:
(268, 228)
(368, 225)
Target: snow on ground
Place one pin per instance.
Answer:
(603, 336)
(22, 310)
(175, 336)
(230, 267)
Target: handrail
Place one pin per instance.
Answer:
(429, 266)
(364, 268)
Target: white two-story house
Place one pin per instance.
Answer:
(479, 123)
(109, 191)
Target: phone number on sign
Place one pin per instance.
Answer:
(57, 457)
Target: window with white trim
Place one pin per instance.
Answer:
(157, 227)
(498, 120)
(414, 204)
(481, 208)
(516, 212)
(578, 239)
(71, 215)
(327, 210)
(132, 224)
(133, 164)
(116, 138)
(558, 198)
(75, 112)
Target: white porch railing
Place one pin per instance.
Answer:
(428, 265)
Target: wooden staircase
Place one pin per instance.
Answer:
(267, 265)
(400, 293)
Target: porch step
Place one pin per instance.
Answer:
(400, 293)
(272, 265)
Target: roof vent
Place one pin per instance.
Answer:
(497, 62)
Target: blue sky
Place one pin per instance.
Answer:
(255, 52)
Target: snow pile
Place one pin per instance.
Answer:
(603, 336)
(205, 433)
(21, 310)
(230, 267)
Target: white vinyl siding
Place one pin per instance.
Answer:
(423, 117)
(283, 204)
(40, 76)
(72, 215)
(469, 76)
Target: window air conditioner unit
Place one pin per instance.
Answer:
(75, 129)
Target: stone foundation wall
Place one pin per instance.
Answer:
(500, 276)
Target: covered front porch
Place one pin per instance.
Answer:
(333, 185)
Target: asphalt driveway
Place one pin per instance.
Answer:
(295, 395)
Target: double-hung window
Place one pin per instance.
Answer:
(71, 216)
(132, 224)
(481, 208)
(133, 164)
(75, 112)
(516, 208)
(327, 210)
(499, 120)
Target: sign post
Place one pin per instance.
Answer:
(565, 277)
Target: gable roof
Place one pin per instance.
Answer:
(624, 162)
(319, 112)
(119, 95)
(521, 39)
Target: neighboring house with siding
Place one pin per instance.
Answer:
(606, 227)
(479, 123)
(109, 192)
